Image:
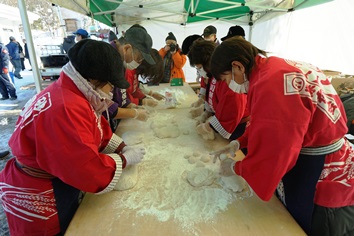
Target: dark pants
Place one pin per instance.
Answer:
(238, 132)
(6, 86)
(332, 221)
(17, 65)
(23, 64)
(299, 186)
(67, 200)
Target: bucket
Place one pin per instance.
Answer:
(12, 77)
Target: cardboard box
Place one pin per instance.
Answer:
(331, 73)
(343, 85)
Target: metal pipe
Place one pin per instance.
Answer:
(28, 34)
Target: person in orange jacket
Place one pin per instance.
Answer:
(173, 59)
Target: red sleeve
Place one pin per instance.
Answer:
(129, 76)
(139, 94)
(73, 155)
(292, 106)
(229, 108)
(107, 136)
(275, 138)
(133, 90)
(202, 82)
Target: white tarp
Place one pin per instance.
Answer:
(322, 35)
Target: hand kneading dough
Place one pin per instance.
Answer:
(200, 176)
(128, 179)
(234, 183)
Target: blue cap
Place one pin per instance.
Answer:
(82, 32)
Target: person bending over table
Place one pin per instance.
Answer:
(62, 146)
(295, 141)
(224, 111)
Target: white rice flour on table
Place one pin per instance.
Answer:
(164, 189)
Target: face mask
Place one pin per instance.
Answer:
(103, 94)
(202, 72)
(239, 88)
(131, 65)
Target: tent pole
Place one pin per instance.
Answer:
(250, 23)
(250, 33)
(30, 45)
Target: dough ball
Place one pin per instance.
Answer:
(234, 183)
(168, 131)
(187, 156)
(156, 125)
(196, 154)
(199, 164)
(192, 159)
(205, 158)
(128, 178)
(133, 137)
(200, 176)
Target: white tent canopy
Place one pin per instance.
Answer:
(322, 35)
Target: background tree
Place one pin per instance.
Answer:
(48, 20)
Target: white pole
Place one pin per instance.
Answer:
(30, 45)
(250, 33)
(62, 22)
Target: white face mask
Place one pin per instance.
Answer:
(103, 94)
(239, 88)
(131, 65)
(202, 73)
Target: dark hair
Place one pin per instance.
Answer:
(234, 49)
(171, 36)
(153, 73)
(201, 52)
(187, 42)
(112, 36)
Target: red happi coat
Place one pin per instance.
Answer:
(293, 105)
(228, 107)
(57, 132)
(134, 92)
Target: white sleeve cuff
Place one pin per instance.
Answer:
(117, 174)
(113, 144)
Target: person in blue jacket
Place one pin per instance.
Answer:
(6, 86)
(15, 56)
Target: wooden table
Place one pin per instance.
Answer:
(163, 203)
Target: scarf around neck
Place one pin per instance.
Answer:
(98, 100)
